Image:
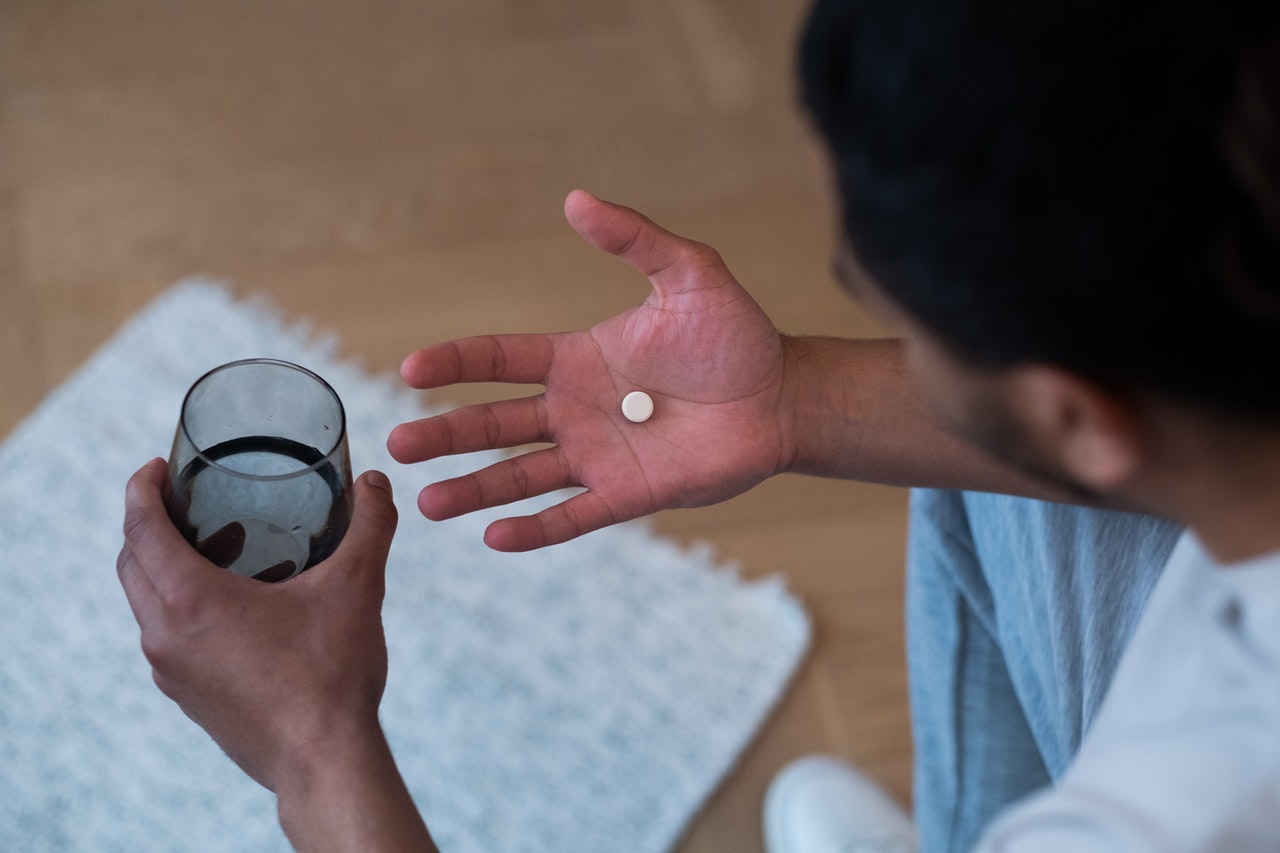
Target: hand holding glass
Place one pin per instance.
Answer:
(260, 474)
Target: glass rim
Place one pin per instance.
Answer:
(325, 456)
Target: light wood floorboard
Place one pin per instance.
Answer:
(394, 171)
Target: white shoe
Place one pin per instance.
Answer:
(820, 804)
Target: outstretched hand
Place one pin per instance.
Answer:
(699, 345)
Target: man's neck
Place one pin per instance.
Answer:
(1222, 479)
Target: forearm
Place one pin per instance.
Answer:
(349, 796)
(853, 411)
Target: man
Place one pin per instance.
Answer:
(1070, 210)
(1069, 213)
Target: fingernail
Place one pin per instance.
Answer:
(378, 480)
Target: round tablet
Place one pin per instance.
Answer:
(637, 406)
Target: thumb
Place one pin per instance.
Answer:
(666, 259)
(373, 524)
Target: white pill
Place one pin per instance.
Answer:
(637, 406)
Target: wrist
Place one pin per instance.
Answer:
(345, 793)
(813, 403)
(847, 407)
(790, 433)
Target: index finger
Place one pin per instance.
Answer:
(156, 547)
(524, 359)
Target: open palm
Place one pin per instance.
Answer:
(699, 345)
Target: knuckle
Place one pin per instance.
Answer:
(137, 526)
(492, 427)
(702, 255)
(157, 648)
(184, 609)
(448, 435)
(383, 513)
(498, 356)
(542, 417)
(566, 474)
(124, 559)
(519, 477)
(167, 687)
(473, 484)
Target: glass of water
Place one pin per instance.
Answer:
(260, 476)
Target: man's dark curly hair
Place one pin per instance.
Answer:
(1091, 184)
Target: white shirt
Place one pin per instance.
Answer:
(1184, 754)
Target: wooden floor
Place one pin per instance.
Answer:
(394, 170)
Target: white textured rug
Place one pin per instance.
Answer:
(586, 697)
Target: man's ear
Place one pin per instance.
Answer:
(1095, 431)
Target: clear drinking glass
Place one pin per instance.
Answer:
(260, 474)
